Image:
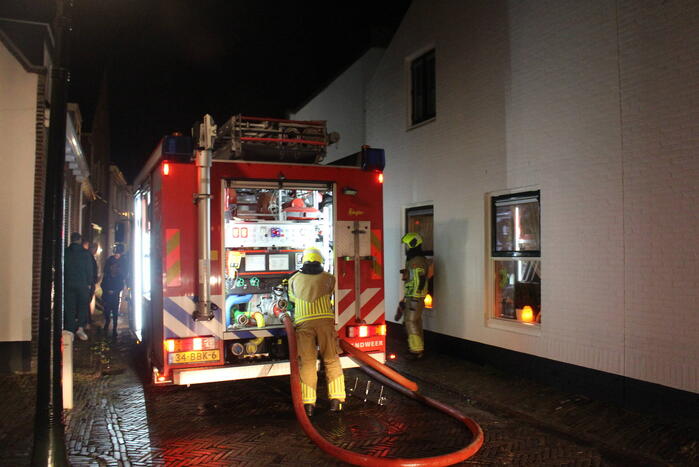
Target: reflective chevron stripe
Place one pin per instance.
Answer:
(178, 322)
(255, 334)
(371, 305)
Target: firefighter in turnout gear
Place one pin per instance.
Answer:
(311, 289)
(414, 291)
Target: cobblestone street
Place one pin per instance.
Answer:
(119, 421)
(252, 423)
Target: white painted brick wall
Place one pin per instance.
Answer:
(659, 65)
(342, 105)
(597, 105)
(18, 133)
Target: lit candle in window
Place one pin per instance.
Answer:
(527, 314)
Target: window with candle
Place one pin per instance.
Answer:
(516, 257)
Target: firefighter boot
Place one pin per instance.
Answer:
(335, 405)
(309, 409)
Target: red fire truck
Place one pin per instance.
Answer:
(221, 220)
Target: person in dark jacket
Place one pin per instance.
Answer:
(78, 277)
(112, 284)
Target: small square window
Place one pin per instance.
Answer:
(423, 88)
(516, 225)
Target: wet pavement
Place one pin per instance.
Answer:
(117, 420)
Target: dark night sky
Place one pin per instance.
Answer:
(168, 62)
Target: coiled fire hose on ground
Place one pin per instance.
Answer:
(385, 375)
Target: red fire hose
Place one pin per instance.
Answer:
(388, 372)
(383, 375)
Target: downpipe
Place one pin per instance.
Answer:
(49, 446)
(380, 372)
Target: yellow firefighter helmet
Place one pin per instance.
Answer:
(312, 255)
(412, 239)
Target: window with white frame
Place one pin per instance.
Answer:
(516, 256)
(423, 88)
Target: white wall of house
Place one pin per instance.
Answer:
(593, 103)
(659, 50)
(18, 91)
(342, 105)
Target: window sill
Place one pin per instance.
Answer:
(423, 123)
(514, 326)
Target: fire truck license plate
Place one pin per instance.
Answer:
(194, 356)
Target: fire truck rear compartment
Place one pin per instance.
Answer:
(266, 228)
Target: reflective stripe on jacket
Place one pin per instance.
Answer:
(311, 295)
(416, 269)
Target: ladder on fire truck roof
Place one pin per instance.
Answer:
(270, 140)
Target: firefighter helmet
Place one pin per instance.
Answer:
(312, 255)
(412, 239)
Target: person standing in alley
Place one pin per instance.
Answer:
(414, 291)
(77, 280)
(311, 289)
(112, 284)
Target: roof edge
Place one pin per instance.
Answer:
(21, 58)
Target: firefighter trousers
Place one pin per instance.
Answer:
(311, 335)
(413, 323)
